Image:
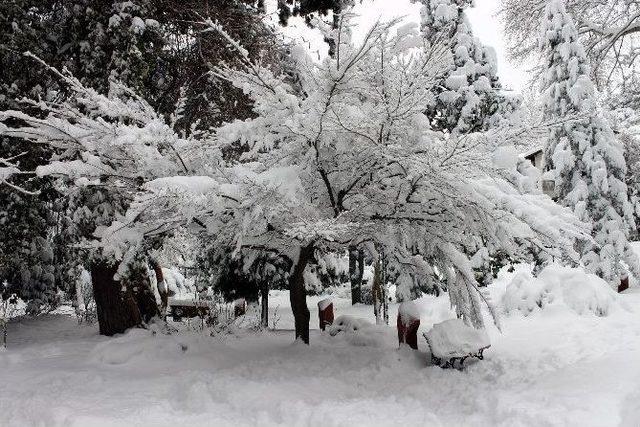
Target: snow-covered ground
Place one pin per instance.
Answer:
(551, 367)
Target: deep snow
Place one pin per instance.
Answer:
(551, 367)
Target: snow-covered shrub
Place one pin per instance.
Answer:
(558, 286)
(359, 332)
(312, 281)
(348, 324)
(366, 297)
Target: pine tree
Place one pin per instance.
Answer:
(469, 97)
(586, 158)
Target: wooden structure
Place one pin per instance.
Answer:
(325, 313)
(408, 330)
(452, 342)
(188, 309)
(239, 307)
(624, 284)
(408, 323)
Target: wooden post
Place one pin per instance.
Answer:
(408, 323)
(624, 283)
(264, 300)
(325, 313)
(239, 307)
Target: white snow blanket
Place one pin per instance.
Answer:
(553, 368)
(452, 338)
(559, 287)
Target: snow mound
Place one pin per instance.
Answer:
(408, 311)
(359, 332)
(135, 347)
(452, 338)
(558, 286)
(349, 324)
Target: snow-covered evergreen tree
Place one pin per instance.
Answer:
(586, 158)
(468, 98)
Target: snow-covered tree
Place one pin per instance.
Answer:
(355, 161)
(350, 159)
(624, 122)
(105, 165)
(608, 29)
(585, 156)
(469, 98)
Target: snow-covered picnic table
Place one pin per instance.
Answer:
(453, 341)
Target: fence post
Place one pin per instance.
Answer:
(408, 323)
(239, 307)
(325, 313)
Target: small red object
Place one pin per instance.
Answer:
(408, 331)
(325, 313)
(624, 284)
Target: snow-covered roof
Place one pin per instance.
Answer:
(533, 151)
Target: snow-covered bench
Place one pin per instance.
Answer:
(452, 342)
(188, 308)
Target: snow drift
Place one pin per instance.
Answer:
(360, 332)
(558, 286)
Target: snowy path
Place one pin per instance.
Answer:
(552, 369)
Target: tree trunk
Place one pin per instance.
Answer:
(163, 289)
(264, 312)
(115, 304)
(298, 294)
(139, 282)
(356, 271)
(378, 293)
(385, 290)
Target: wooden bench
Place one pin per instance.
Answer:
(188, 309)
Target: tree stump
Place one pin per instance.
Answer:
(624, 284)
(408, 324)
(239, 307)
(325, 313)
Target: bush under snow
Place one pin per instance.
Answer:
(559, 286)
(360, 332)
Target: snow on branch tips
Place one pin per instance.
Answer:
(9, 168)
(366, 162)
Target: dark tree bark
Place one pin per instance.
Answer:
(356, 271)
(298, 294)
(163, 289)
(139, 282)
(117, 309)
(264, 312)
